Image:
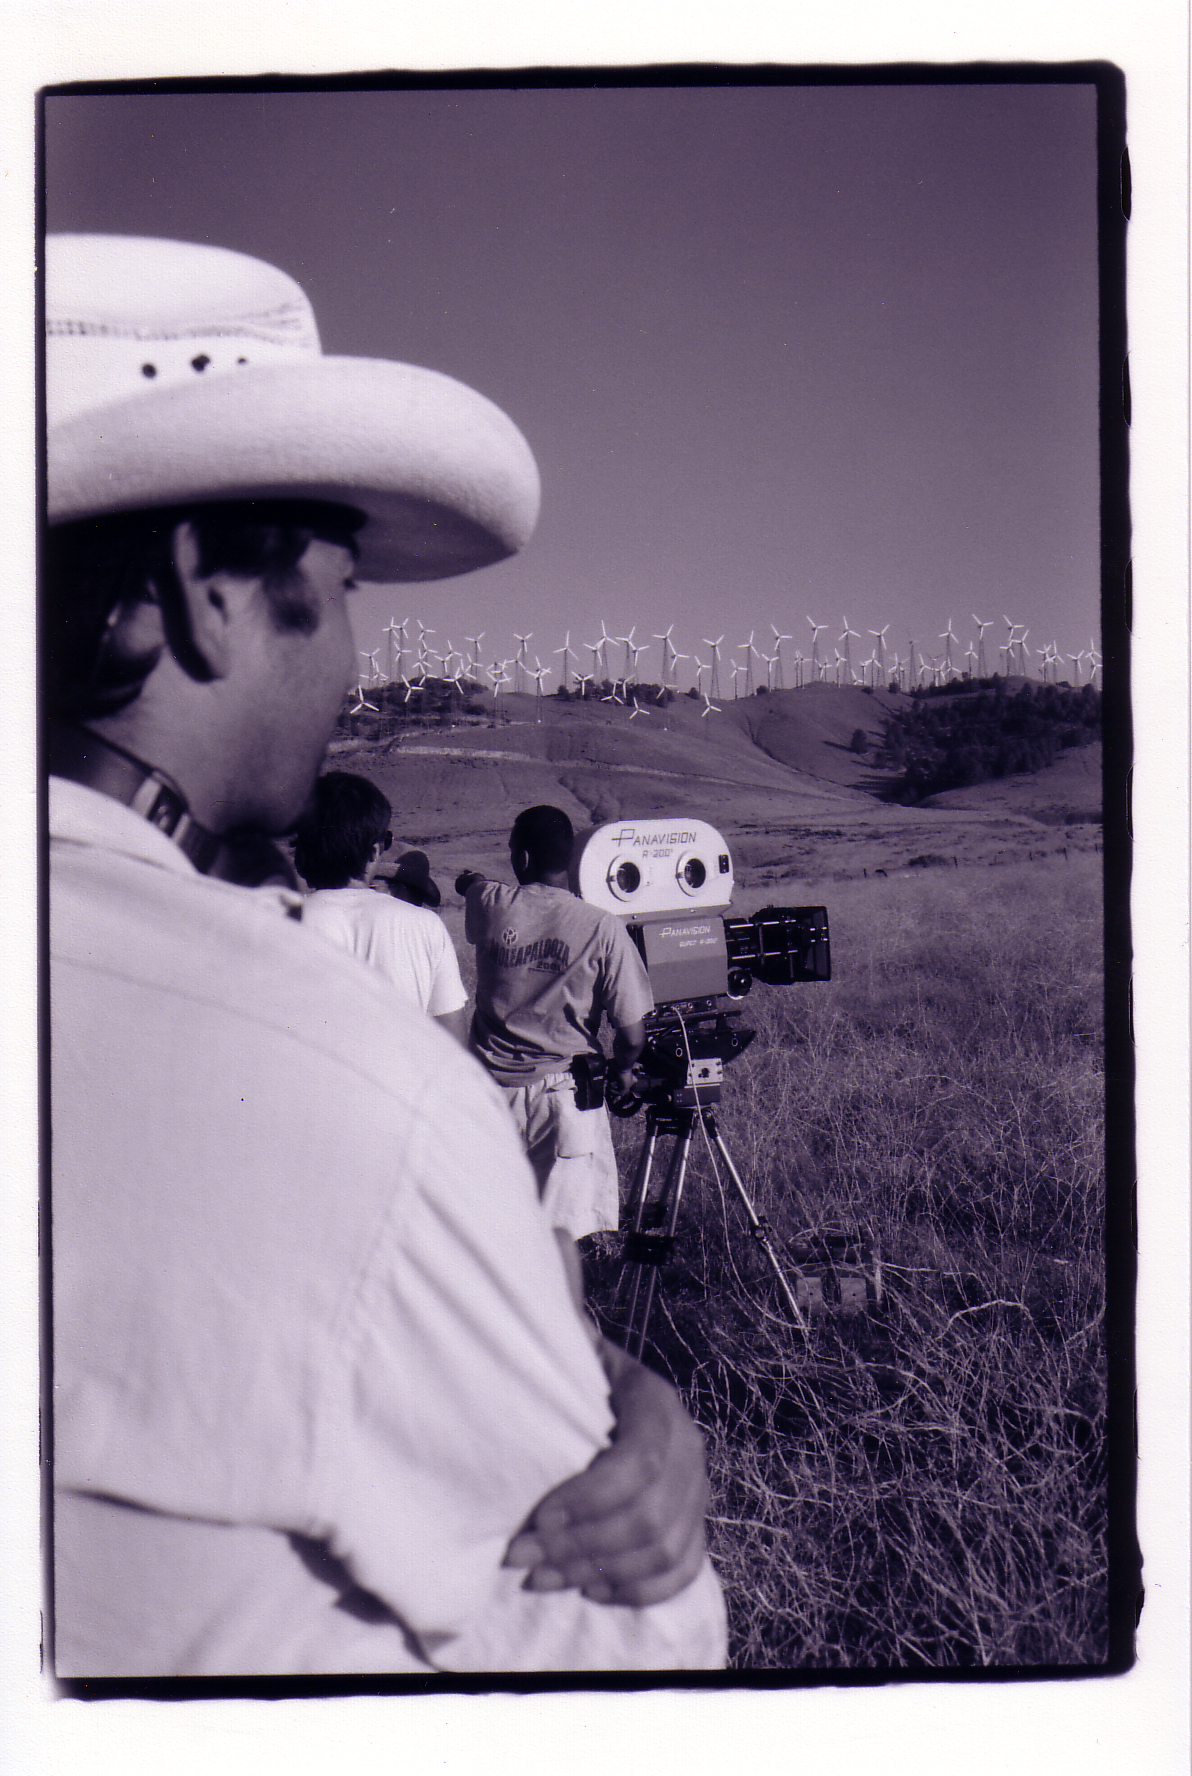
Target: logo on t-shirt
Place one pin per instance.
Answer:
(546, 955)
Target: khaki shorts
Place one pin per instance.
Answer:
(571, 1152)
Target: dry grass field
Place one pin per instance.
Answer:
(923, 1483)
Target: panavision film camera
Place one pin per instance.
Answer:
(672, 882)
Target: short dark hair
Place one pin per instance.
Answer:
(546, 835)
(346, 816)
(96, 569)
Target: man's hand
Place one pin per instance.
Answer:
(630, 1528)
(628, 1042)
(467, 879)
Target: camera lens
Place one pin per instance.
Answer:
(694, 873)
(627, 878)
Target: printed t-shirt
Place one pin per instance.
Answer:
(548, 966)
(409, 944)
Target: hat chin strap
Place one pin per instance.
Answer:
(82, 756)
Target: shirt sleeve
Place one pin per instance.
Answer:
(477, 903)
(627, 993)
(447, 987)
(473, 1389)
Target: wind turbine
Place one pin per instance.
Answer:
(473, 642)
(593, 648)
(498, 672)
(714, 687)
(982, 624)
(605, 638)
(565, 650)
(708, 709)
(779, 638)
(1012, 643)
(397, 653)
(879, 648)
(750, 650)
(847, 655)
(521, 664)
(538, 672)
(816, 628)
(700, 669)
(947, 637)
(667, 650)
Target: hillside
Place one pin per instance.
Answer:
(774, 773)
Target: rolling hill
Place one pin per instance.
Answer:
(775, 773)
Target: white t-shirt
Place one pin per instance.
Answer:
(408, 944)
(315, 1357)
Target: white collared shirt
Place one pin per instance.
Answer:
(315, 1358)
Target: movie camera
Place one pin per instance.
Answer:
(671, 881)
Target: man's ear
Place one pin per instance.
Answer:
(209, 605)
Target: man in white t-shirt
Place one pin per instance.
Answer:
(549, 967)
(341, 839)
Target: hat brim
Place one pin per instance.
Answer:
(446, 481)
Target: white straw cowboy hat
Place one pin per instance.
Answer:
(179, 374)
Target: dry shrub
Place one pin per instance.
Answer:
(922, 1485)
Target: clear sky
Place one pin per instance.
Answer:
(782, 354)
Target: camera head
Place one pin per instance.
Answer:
(672, 881)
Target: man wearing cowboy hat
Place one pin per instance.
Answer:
(342, 836)
(322, 1400)
(412, 881)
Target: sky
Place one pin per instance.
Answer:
(785, 355)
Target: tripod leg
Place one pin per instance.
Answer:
(758, 1225)
(641, 1177)
(637, 1209)
(673, 1188)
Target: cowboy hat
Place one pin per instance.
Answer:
(412, 871)
(179, 374)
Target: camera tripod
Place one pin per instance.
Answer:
(651, 1238)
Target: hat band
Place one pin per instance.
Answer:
(90, 370)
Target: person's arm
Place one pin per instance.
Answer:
(630, 1528)
(628, 1042)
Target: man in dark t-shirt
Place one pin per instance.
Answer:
(549, 967)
